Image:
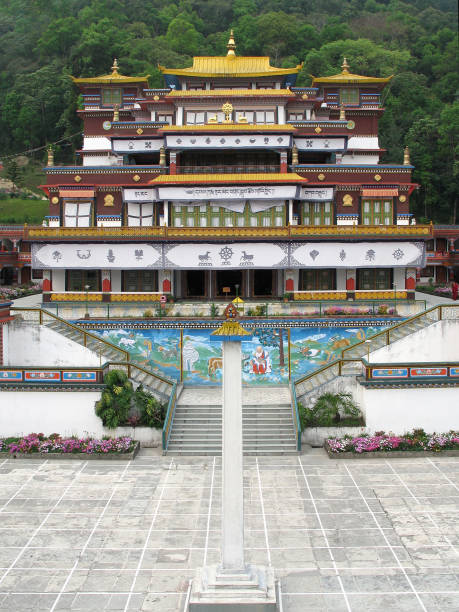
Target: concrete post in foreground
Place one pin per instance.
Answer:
(232, 586)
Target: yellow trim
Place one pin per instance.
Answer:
(380, 295)
(75, 297)
(292, 231)
(228, 93)
(129, 297)
(230, 66)
(319, 295)
(228, 127)
(277, 177)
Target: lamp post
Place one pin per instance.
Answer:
(237, 290)
(86, 316)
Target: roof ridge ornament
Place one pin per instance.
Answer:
(115, 68)
(231, 46)
(345, 66)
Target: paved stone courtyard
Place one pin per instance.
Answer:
(369, 534)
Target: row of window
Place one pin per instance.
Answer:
(309, 280)
(203, 117)
(374, 212)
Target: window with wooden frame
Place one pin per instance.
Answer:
(374, 278)
(78, 280)
(296, 116)
(203, 117)
(210, 215)
(317, 213)
(195, 86)
(164, 119)
(377, 211)
(140, 280)
(349, 95)
(77, 214)
(139, 214)
(111, 96)
(317, 279)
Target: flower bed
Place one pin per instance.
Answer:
(39, 444)
(389, 444)
(12, 293)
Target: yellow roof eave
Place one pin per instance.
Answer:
(209, 179)
(229, 127)
(109, 79)
(348, 78)
(230, 66)
(228, 93)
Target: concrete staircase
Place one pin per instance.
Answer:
(267, 422)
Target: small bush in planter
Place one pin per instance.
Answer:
(114, 405)
(331, 409)
(151, 410)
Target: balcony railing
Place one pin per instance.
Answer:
(225, 169)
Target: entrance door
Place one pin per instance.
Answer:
(263, 283)
(229, 279)
(195, 283)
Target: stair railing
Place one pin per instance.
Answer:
(155, 381)
(296, 416)
(169, 418)
(383, 338)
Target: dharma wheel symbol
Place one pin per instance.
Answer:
(226, 253)
(227, 108)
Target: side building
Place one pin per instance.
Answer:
(229, 181)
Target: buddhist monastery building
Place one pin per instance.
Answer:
(230, 180)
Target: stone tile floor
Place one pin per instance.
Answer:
(368, 534)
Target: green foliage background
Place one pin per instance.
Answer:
(42, 42)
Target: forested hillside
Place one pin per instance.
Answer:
(42, 42)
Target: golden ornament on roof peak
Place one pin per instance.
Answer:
(115, 66)
(231, 46)
(345, 65)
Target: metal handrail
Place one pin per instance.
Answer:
(131, 365)
(406, 322)
(296, 416)
(169, 418)
(86, 334)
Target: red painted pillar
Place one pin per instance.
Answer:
(172, 163)
(283, 161)
(47, 284)
(106, 281)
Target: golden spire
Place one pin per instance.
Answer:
(50, 156)
(406, 157)
(231, 46)
(342, 113)
(294, 155)
(116, 113)
(345, 66)
(115, 67)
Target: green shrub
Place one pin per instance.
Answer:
(331, 409)
(151, 410)
(148, 314)
(213, 310)
(115, 403)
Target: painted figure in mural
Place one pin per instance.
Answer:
(261, 363)
(190, 356)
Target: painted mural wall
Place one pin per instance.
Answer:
(270, 357)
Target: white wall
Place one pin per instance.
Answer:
(58, 280)
(401, 410)
(35, 345)
(68, 413)
(437, 342)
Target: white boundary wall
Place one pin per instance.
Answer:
(70, 413)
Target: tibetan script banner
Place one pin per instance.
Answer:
(232, 192)
(316, 194)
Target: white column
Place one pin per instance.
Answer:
(280, 115)
(290, 212)
(232, 466)
(166, 213)
(179, 116)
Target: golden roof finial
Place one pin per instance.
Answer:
(345, 65)
(115, 66)
(231, 46)
(406, 157)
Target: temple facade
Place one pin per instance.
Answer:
(229, 181)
